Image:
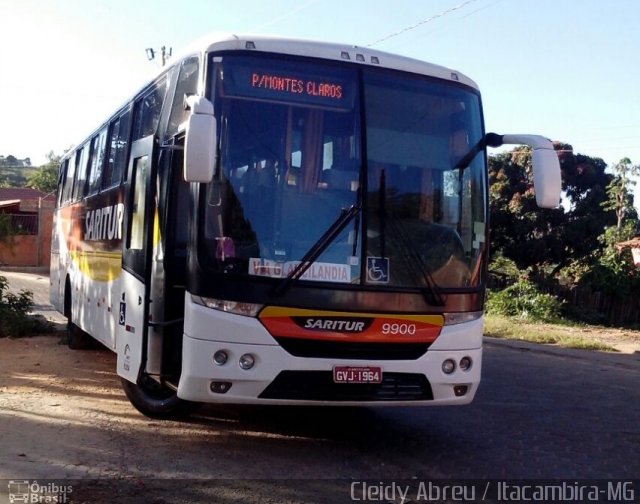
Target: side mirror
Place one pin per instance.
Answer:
(200, 141)
(547, 181)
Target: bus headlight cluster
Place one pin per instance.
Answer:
(235, 307)
(450, 365)
(246, 361)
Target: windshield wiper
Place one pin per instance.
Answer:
(410, 256)
(346, 215)
(465, 161)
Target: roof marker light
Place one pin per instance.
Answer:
(360, 57)
(345, 55)
(454, 76)
(375, 60)
(249, 45)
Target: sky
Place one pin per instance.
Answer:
(566, 69)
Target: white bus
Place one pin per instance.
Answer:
(285, 222)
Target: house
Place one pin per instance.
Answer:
(27, 214)
(634, 245)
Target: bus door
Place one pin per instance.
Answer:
(132, 327)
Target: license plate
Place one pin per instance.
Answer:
(357, 374)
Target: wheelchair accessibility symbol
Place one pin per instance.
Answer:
(378, 269)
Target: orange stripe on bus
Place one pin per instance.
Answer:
(351, 326)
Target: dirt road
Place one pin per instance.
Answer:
(539, 414)
(64, 417)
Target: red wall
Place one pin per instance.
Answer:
(29, 250)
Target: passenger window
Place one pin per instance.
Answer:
(147, 111)
(67, 192)
(187, 85)
(62, 180)
(79, 188)
(118, 141)
(97, 161)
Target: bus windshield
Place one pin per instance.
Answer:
(295, 156)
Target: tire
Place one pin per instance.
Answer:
(155, 400)
(77, 339)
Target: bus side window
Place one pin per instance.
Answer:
(96, 161)
(67, 190)
(79, 189)
(187, 85)
(62, 179)
(147, 111)
(117, 142)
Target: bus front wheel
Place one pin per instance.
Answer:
(155, 400)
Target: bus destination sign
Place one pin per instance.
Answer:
(315, 88)
(288, 84)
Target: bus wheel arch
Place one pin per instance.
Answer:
(155, 400)
(77, 339)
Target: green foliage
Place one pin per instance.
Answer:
(15, 176)
(516, 219)
(14, 312)
(523, 300)
(6, 229)
(45, 179)
(619, 191)
(503, 271)
(534, 237)
(614, 273)
(18, 172)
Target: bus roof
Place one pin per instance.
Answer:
(324, 50)
(222, 41)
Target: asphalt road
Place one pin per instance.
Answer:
(540, 413)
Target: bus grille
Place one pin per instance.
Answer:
(319, 386)
(357, 351)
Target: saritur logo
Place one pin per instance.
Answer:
(104, 223)
(334, 324)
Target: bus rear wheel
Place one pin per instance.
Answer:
(77, 339)
(155, 400)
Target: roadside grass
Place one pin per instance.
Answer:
(560, 334)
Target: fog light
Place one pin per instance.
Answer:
(220, 387)
(247, 361)
(448, 366)
(465, 363)
(220, 357)
(460, 390)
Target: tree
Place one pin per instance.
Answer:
(613, 271)
(520, 230)
(534, 237)
(46, 178)
(10, 161)
(620, 198)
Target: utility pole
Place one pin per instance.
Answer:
(165, 53)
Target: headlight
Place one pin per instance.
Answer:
(466, 363)
(461, 318)
(236, 307)
(448, 366)
(247, 361)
